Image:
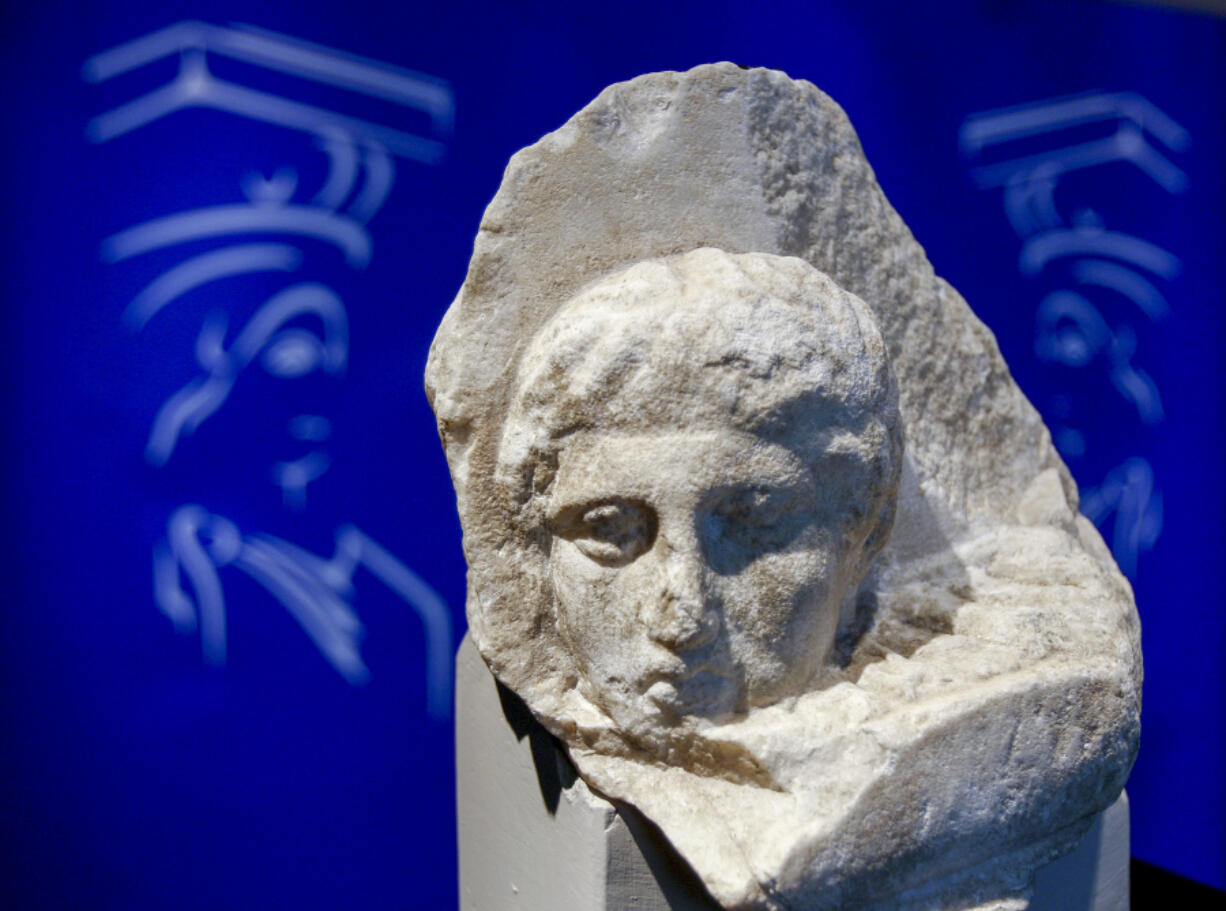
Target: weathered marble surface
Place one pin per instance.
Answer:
(533, 836)
(757, 521)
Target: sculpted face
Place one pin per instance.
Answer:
(701, 458)
(692, 574)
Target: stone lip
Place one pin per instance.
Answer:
(992, 692)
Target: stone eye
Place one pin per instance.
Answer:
(756, 507)
(611, 534)
(755, 520)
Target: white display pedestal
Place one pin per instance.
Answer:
(533, 837)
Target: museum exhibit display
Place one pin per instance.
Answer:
(757, 523)
(776, 580)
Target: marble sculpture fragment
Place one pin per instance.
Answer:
(757, 522)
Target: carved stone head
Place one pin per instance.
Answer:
(673, 394)
(706, 450)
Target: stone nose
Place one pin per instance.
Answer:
(685, 614)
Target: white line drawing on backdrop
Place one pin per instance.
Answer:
(241, 259)
(1135, 119)
(344, 233)
(1071, 331)
(316, 592)
(1034, 146)
(1128, 491)
(195, 86)
(359, 178)
(284, 352)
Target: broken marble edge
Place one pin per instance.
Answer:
(920, 316)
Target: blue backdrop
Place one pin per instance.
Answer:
(233, 568)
